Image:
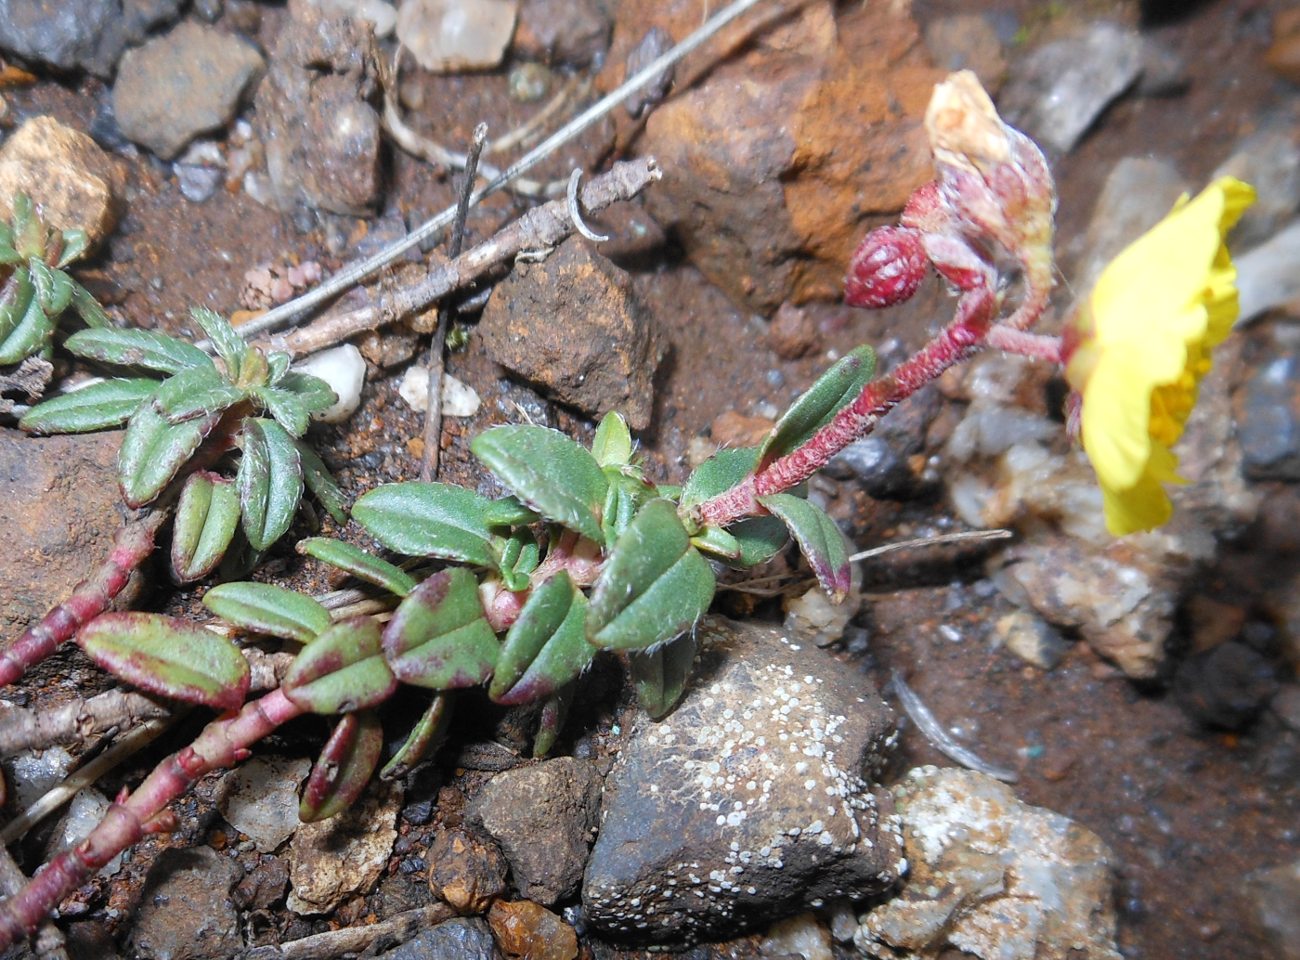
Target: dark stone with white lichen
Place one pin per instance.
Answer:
(749, 801)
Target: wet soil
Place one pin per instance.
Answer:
(1188, 811)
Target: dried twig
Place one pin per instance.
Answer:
(80, 720)
(540, 228)
(437, 346)
(375, 936)
(279, 316)
(939, 541)
(940, 739)
(133, 742)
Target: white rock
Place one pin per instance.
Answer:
(344, 369)
(260, 799)
(87, 809)
(445, 36)
(458, 399)
(382, 15)
(798, 936)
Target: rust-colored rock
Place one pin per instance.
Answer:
(75, 183)
(528, 931)
(732, 429)
(465, 872)
(793, 333)
(572, 325)
(772, 208)
(1283, 55)
(60, 509)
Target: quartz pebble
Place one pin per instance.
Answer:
(344, 369)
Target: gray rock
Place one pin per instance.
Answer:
(544, 817)
(1137, 193)
(1226, 686)
(464, 938)
(967, 41)
(182, 84)
(1269, 419)
(1269, 160)
(572, 32)
(185, 911)
(1273, 894)
(78, 34)
(260, 799)
(993, 877)
(573, 326)
(1057, 91)
(316, 114)
(748, 801)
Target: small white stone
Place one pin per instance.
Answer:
(458, 398)
(344, 369)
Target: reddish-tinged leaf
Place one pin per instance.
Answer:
(439, 637)
(170, 657)
(425, 737)
(821, 541)
(266, 608)
(344, 767)
(342, 670)
(546, 647)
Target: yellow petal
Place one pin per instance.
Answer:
(1144, 506)
(1115, 419)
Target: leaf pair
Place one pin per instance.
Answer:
(168, 420)
(37, 291)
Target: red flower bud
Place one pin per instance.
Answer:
(886, 268)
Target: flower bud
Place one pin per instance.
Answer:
(886, 268)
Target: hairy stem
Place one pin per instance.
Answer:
(960, 339)
(221, 744)
(133, 543)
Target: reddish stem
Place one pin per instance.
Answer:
(221, 744)
(960, 339)
(133, 543)
(1036, 345)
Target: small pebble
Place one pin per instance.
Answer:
(458, 399)
(344, 369)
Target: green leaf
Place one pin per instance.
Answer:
(660, 675)
(429, 520)
(509, 512)
(818, 537)
(267, 609)
(99, 406)
(75, 242)
(342, 670)
(170, 657)
(321, 482)
(626, 495)
(196, 392)
(425, 737)
(318, 395)
(546, 647)
(270, 481)
(206, 519)
(286, 407)
(819, 403)
(29, 232)
(719, 473)
(438, 637)
(547, 471)
(53, 287)
(30, 335)
(653, 586)
(154, 451)
(15, 298)
(718, 542)
(344, 767)
(551, 720)
(229, 345)
(137, 348)
(518, 558)
(760, 539)
(362, 565)
(277, 365)
(612, 445)
(88, 308)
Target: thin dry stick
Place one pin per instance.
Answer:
(540, 228)
(335, 943)
(127, 746)
(279, 316)
(947, 538)
(49, 943)
(437, 346)
(76, 722)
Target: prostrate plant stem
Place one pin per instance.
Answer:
(133, 543)
(222, 743)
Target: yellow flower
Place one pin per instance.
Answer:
(1142, 344)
